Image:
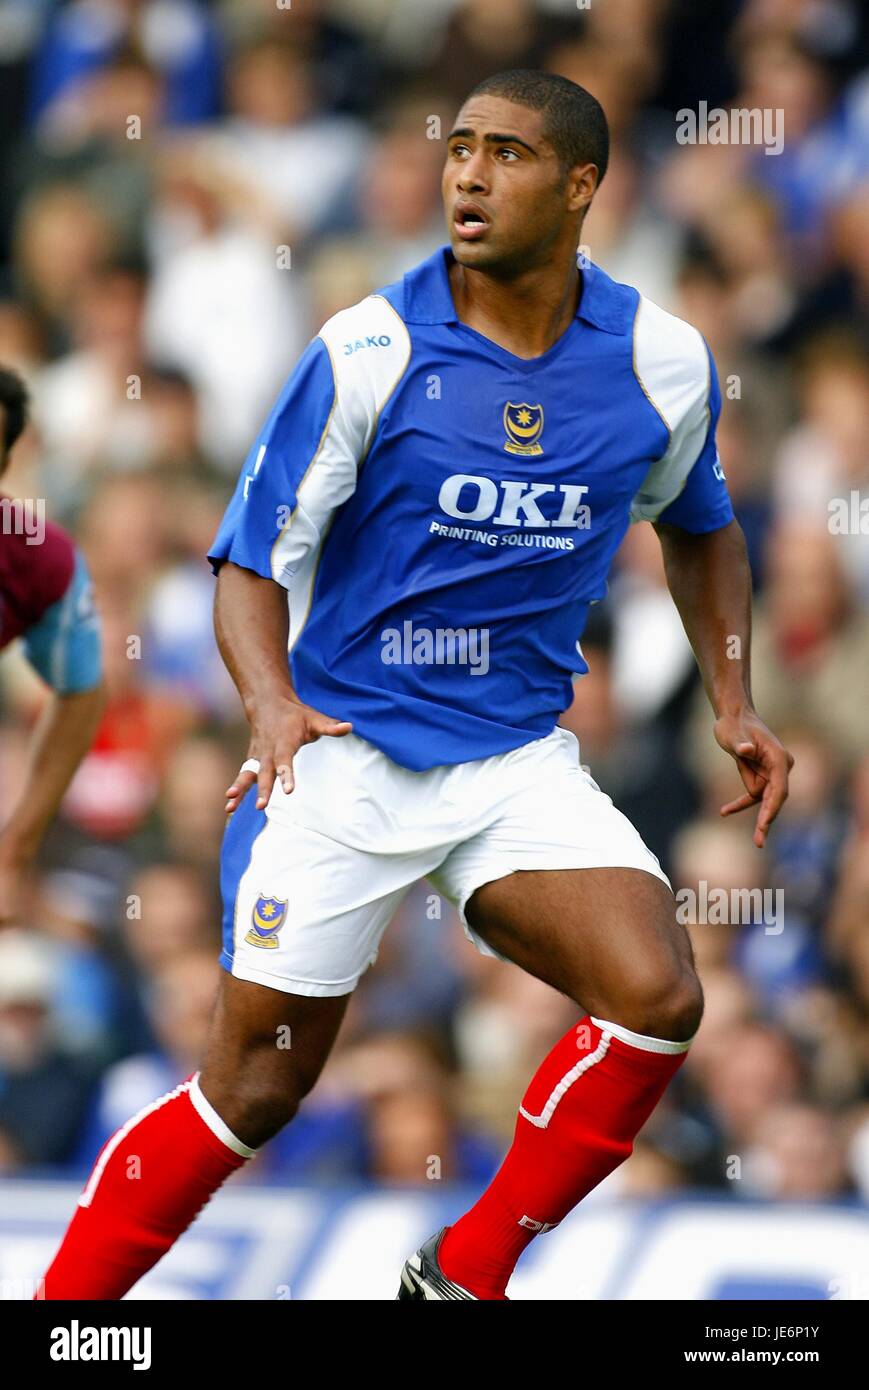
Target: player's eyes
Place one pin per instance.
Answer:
(503, 154)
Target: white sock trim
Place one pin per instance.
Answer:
(589, 1060)
(608, 1032)
(639, 1039)
(206, 1111)
(99, 1167)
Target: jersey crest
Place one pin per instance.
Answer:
(523, 425)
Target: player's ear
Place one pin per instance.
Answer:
(582, 182)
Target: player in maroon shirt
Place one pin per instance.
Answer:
(46, 600)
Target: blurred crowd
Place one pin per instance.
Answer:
(188, 191)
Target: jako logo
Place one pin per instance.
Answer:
(476, 499)
(383, 341)
(75, 1343)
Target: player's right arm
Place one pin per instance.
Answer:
(251, 625)
(63, 645)
(302, 466)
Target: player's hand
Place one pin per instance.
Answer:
(278, 730)
(763, 764)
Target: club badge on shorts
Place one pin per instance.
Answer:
(267, 918)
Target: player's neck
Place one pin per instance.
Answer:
(525, 314)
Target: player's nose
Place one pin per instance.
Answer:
(471, 176)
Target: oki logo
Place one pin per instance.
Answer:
(511, 502)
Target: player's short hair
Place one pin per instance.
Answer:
(15, 405)
(575, 124)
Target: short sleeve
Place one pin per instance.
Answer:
(301, 467)
(686, 487)
(64, 645)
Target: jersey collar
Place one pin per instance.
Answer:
(603, 304)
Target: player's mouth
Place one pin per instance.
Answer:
(470, 221)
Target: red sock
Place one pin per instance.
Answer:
(149, 1182)
(578, 1120)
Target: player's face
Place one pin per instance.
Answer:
(506, 199)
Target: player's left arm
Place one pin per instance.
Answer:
(708, 574)
(709, 577)
(64, 647)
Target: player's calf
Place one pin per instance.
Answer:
(156, 1173)
(609, 939)
(578, 1120)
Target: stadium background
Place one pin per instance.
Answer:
(147, 294)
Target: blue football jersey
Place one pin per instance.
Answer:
(442, 512)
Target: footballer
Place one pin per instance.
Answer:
(460, 453)
(45, 599)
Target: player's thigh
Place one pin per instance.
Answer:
(607, 937)
(303, 917)
(304, 912)
(562, 884)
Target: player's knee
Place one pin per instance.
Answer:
(659, 1004)
(262, 1112)
(675, 1010)
(258, 1101)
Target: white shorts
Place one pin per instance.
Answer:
(311, 883)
